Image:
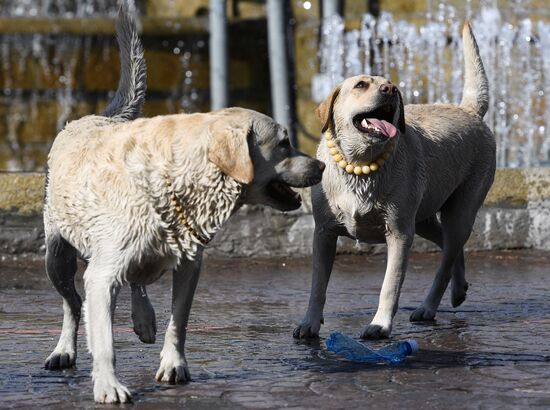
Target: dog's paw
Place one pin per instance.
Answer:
(174, 374)
(59, 360)
(173, 369)
(146, 329)
(374, 331)
(310, 326)
(308, 329)
(423, 314)
(145, 322)
(458, 293)
(108, 390)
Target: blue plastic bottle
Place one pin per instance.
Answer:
(358, 352)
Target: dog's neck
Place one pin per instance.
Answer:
(194, 205)
(178, 208)
(366, 187)
(360, 164)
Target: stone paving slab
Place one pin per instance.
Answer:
(491, 353)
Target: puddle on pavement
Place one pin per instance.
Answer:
(492, 352)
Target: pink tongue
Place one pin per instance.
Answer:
(385, 127)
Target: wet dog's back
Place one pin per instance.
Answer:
(456, 146)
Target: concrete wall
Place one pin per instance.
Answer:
(516, 214)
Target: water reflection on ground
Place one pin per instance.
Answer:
(492, 352)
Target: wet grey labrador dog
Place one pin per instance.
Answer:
(394, 171)
(138, 197)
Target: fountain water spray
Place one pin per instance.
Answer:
(44, 73)
(427, 63)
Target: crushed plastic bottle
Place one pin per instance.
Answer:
(351, 349)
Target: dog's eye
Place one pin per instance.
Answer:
(361, 84)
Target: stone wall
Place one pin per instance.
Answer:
(516, 214)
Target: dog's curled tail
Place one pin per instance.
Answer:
(475, 95)
(130, 95)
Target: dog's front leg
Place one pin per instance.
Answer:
(324, 251)
(173, 365)
(398, 252)
(99, 307)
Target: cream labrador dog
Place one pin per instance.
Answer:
(394, 171)
(137, 198)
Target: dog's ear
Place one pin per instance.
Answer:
(325, 110)
(228, 149)
(401, 107)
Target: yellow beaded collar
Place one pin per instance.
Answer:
(358, 168)
(176, 204)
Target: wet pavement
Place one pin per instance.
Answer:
(492, 352)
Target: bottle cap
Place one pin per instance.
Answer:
(413, 344)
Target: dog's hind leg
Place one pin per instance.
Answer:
(143, 314)
(430, 229)
(61, 268)
(457, 221)
(459, 286)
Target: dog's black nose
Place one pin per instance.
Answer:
(387, 88)
(322, 166)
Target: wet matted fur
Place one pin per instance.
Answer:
(138, 197)
(440, 168)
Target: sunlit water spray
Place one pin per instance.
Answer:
(38, 69)
(427, 63)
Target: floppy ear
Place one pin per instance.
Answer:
(325, 110)
(401, 120)
(228, 149)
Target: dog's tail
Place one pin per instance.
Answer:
(475, 95)
(130, 95)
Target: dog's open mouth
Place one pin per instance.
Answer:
(284, 195)
(377, 122)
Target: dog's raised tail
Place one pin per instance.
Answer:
(130, 95)
(475, 94)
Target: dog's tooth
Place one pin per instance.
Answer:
(365, 123)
